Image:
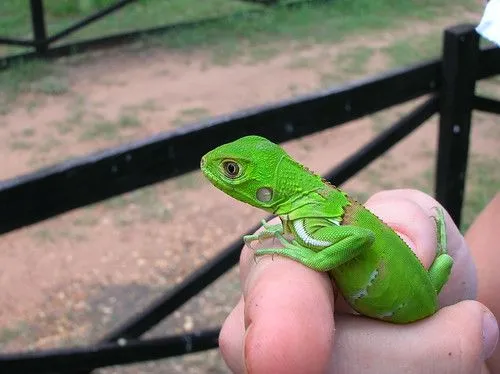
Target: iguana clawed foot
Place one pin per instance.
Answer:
(270, 231)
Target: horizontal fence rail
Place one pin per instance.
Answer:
(127, 333)
(86, 358)
(485, 104)
(86, 180)
(43, 44)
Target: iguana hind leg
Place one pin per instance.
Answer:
(440, 269)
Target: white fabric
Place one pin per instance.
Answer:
(489, 27)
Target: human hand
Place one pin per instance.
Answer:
(285, 322)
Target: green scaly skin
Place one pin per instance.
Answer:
(326, 230)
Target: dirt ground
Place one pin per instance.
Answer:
(70, 279)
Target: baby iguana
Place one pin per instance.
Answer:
(326, 230)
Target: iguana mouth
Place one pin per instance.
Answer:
(210, 176)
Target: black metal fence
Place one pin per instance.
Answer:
(449, 84)
(44, 45)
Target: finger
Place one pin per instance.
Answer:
(286, 304)
(457, 339)
(288, 318)
(247, 257)
(231, 338)
(483, 242)
(428, 204)
(462, 284)
(410, 221)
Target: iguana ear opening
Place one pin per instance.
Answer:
(264, 194)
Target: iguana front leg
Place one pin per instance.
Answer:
(270, 231)
(347, 242)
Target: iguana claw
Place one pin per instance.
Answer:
(270, 231)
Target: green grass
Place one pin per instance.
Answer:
(20, 79)
(15, 19)
(9, 334)
(20, 145)
(49, 143)
(414, 49)
(51, 85)
(354, 61)
(331, 78)
(329, 22)
(258, 36)
(482, 183)
(300, 62)
(86, 218)
(28, 132)
(129, 121)
(147, 105)
(43, 235)
(101, 129)
(142, 14)
(143, 204)
(190, 115)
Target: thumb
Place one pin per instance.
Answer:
(457, 339)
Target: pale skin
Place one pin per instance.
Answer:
(288, 320)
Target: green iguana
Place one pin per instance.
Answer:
(326, 230)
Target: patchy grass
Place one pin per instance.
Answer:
(51, 85)
(149, 105)
(330, 78)
(86, 218)
(28, 132)
(48, 144)
(354, 61)
(189, 115)
(259, 36)
(101, 129)
(341, 17)
(43, 235)
(300, 62)
(20, 145)
(8, 334)
(414, 49)
(262, 53)
(75, 116)
(19, 79)
(144, 204)
(129, 121)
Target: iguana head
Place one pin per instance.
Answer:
(246, 169)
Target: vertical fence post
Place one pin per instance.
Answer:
(38, 23)
(459, 66)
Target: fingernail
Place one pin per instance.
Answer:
(490, 334)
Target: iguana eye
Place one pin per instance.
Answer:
(231, 169)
